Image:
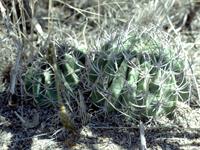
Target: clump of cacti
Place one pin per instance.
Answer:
(139, 73)
(40, 77)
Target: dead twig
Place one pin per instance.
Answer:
(64, 115)
(15, 39)
(143, 145)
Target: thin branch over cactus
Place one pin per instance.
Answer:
(64, 115)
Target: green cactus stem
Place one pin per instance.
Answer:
(151, 82)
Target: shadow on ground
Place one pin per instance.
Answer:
(48, 133)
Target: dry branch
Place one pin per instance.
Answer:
(15, 39)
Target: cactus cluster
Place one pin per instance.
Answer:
(137, 72)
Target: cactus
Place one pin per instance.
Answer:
(40, 79)
(139, 75)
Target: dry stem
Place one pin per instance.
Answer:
(64, 116)
(14, 37)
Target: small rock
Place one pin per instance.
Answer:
(86, 132)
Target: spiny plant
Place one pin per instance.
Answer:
(40, 79)
(139, 72)
(53, 79)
